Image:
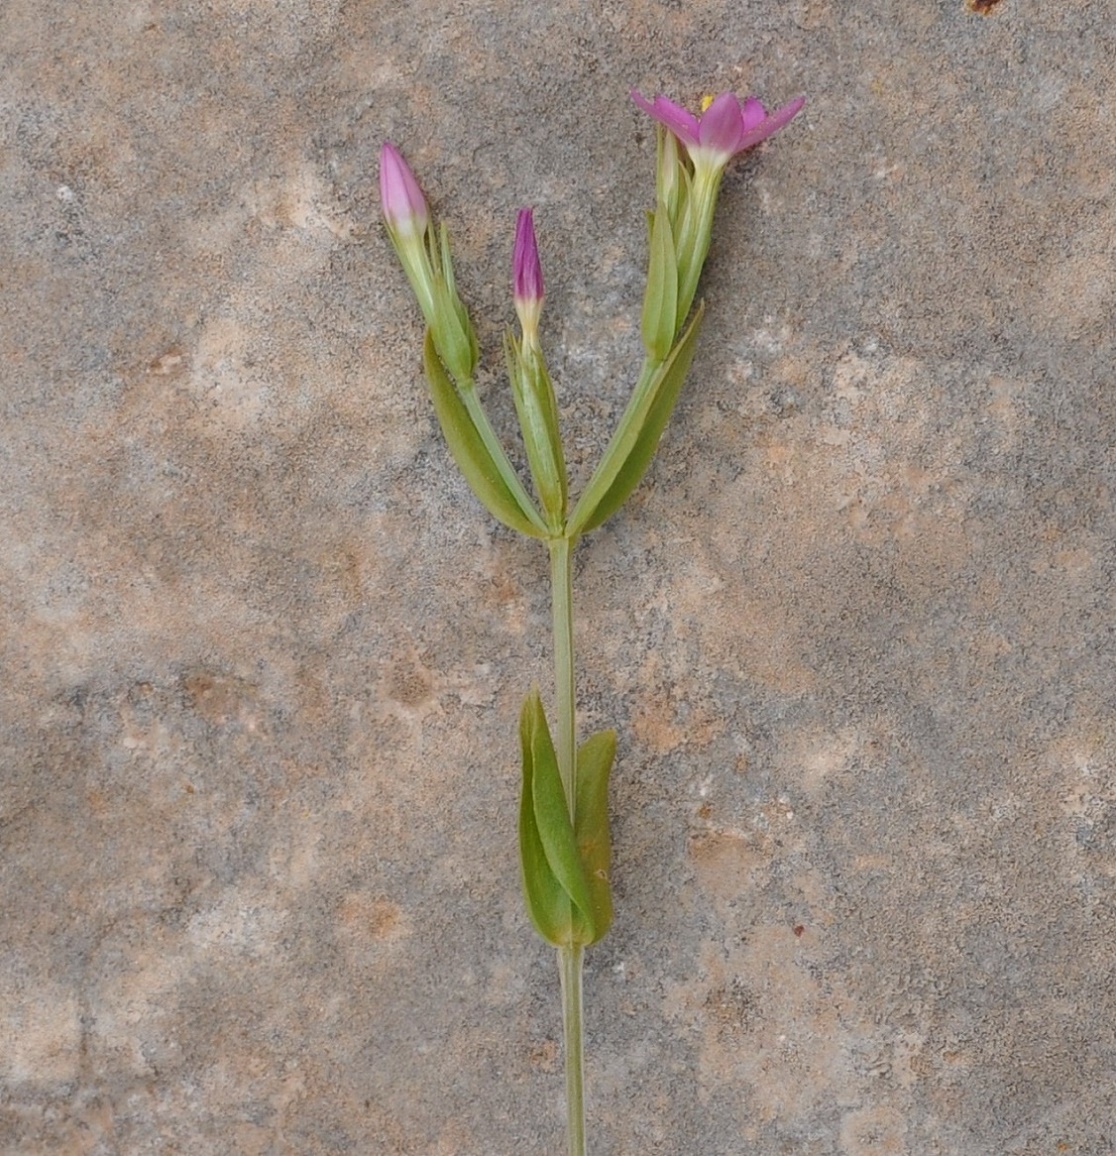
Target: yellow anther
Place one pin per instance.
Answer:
(706, 101)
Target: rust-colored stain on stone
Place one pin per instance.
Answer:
(378, 918)
(408, 681)
(726, 861)
(220, 698)
(545, 1056)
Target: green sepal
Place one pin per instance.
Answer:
(633, 445)
(660, 301)
(454, 337)
(594, 762)
(555, 887)
(693, 232)
(458, 305)
(537, 409)
(670, 172)
(473, 458)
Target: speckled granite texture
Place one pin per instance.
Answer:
(262, 652)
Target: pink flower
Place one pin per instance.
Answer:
(527, 278)
(724, 129)
(400, 196)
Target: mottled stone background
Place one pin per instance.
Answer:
(262, 652)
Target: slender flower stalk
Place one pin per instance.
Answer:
(570, 955)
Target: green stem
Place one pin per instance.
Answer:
(569, 968)
(565, 747)
(561, 583)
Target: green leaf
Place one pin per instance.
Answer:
(552, 812)
(547, 904)
(554, 882)
(660, 301)
(594, 762)
(473, 457)
(637, 437)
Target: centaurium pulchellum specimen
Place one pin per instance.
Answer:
(563, 817)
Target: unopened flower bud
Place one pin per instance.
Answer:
(427, 263)
(400, 196)
(527, 278)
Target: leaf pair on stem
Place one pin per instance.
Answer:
(565, 862)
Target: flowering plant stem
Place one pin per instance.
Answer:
(565, 848)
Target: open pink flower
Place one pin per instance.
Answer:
(724, 129)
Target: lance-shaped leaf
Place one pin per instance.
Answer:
(633, 445)
(474, 458)
(554, 883)
(594, 761)
(547, 904)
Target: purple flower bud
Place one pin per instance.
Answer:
(527, 275)
(527, 278)
(724, 129)
(402, 200)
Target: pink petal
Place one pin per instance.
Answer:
(683, 124)
(754, 113)
(720, 128)
(777, 120)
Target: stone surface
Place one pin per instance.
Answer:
(262, 652)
